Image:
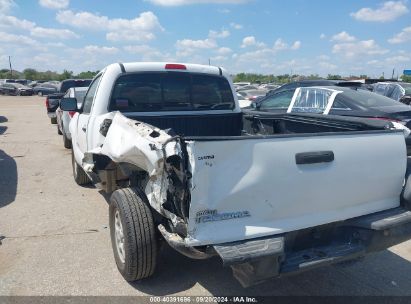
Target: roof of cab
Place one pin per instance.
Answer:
(131, 67)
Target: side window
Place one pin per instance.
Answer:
(311, 100)
(67, 94)
(279, 100)
(396, 94)
(88, 99)
(338, 105)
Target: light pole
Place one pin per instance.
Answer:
(11, 70)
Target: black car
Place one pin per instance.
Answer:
(44, 89)
(16, 89)
(348, 102)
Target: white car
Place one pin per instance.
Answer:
(183, 166)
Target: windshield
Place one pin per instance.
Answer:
(145, 92)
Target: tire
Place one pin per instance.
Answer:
(58, 130)
(139, 240)
(40, 93)
(66, 141)
(80, 177)
(53, 120)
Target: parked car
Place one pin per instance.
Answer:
(64, 117)
(242, 101)
(53, 100)
(247, 88)
(400, 91)
(346, 101)
(252, 95)
(44, 89)
(269, 87)
(3, 81)
(16, 89)
(181, 169)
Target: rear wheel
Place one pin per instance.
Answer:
(79, 175)
(53, 120)
(133, 234)
(40, 93)
(58, 130)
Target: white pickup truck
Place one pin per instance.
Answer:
(186, 166)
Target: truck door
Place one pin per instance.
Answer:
(84, 116)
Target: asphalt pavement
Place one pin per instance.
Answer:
(55, 239)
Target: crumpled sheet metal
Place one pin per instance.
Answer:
(133, 142)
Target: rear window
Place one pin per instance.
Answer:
(65, 85)
(368, 99)
(173, 91)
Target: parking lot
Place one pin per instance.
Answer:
(55, 237)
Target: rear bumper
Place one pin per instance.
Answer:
(51, 114)
(254, 261)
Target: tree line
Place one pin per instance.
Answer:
(33, 74)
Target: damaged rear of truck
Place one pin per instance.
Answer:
(269, 195)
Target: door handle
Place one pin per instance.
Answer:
(314, 157)
(84, 128)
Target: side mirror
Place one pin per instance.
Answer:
(254, 105)
(68, 104)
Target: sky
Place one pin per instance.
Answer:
(252, 36)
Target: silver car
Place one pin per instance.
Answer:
(64, 117)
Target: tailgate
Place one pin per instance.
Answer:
(253, 187)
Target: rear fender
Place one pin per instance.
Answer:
(132, 144)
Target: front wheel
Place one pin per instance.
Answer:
(80, 177)
(40, 93)
(133, 234)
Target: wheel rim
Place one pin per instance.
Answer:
(119, 236)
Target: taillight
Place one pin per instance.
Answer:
(71, 113)
(175, 66)
(47, 102)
